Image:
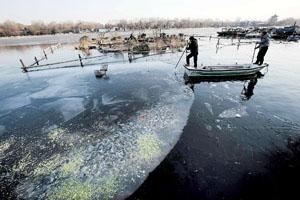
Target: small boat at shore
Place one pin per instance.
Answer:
(221, 71)
(101, 72)
(232, 32)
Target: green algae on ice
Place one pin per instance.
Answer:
(109, 188)
(55, 134)
(148, 146)
(5, 145)
(74, 189)
(72, 165)
(46, 167)
(71, 189)
(23, 163)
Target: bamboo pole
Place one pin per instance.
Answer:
(80, 60)
(23, 66)
(36, 60)
(45, 54)
(63, 62)
(180, 57)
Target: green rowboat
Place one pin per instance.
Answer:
(221, 71)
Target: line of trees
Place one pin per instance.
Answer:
(11, 28)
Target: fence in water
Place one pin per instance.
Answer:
(80, 61)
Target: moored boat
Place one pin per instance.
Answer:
(101, 72)
(220, 71)
(233, 32)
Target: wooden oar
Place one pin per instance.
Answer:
(180, 58)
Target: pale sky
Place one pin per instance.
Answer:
(26, 11)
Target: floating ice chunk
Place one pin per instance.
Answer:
(209, 108)
(69, 107)
(95, 104)
(208, 127)
(15, 102)
(109, 100)
(237, 112)
(62, 86)
(115, 165)
(111, 160)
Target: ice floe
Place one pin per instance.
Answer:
(209, 108)
(109, 158)
(236, 112)
(69, 107)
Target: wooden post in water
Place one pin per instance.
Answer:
(217, 46)
(239, 43)
(36, 60)
(218, 43)
(51, 49)
(23, 66)
(80, 60)
(45, 54)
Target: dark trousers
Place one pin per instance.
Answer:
(195, 55)
(261, 55)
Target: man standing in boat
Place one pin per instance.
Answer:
(263, 46)
(193, 47)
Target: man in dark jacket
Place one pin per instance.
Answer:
(193, 47)
(263, 46)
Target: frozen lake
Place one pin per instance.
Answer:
(66, 135)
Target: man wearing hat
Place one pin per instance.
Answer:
(193, 47)
(263, 46)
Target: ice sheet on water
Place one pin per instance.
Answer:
(209, 108)
(107, 160)
(69, 107)
(110, 100)
(62, 85)
(236, 112)
(116, 165)
(15, 102)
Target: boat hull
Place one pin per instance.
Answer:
(221, 71)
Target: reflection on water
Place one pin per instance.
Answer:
(21, 48)
(248, 87)
(248, 91)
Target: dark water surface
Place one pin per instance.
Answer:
(236, 146)
(66, 135)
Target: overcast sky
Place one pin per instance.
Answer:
(26, 11)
